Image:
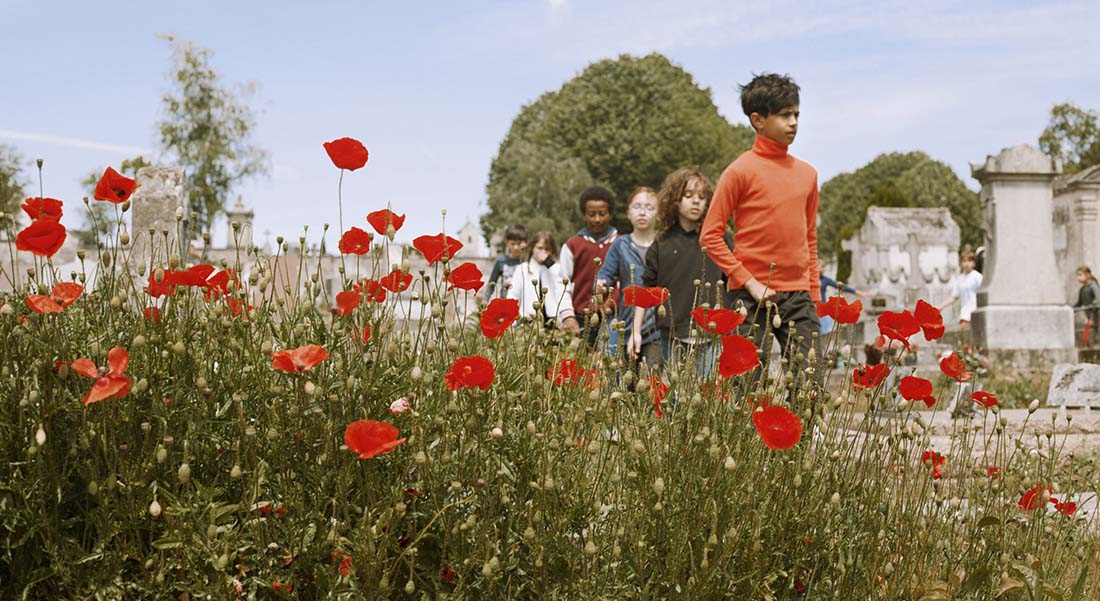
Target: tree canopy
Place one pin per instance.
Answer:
(1072, 135)
(207, 129)
(895, 179)
(12, 186)
(621, 123)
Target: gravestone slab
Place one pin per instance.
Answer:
(1075, 385)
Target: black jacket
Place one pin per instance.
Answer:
(675, 261)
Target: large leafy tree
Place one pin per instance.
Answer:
(621, 123)
(1073, 135)
(12, 186)
(207, 128)
(910, 179)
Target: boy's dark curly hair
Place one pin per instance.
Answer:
(597, 193)
(768, 93)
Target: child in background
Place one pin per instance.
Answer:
(624, 266)
(964, 289)
(515, 243)
(577, 260)
(675, 261)
(538, 281)
(1088, 298)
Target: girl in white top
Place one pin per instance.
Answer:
(538, 274)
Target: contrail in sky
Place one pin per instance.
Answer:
(72, 142)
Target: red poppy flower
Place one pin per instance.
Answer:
(466, 277)
(382, 220)
(161, 283)
(898, 326)
(371, 290)
(347, 153)
(567, 371)
(396, 281)
(994, 472)
(1033, 499)
(109, 382)
(363, 336)
(43, 208)
(217, 285)
(935, 460)
(985, 399)
(954, 367)
(867, 377)
(840, 309)
(152, 314)
(368, 438)
(435, 248)
(345, 566)
(63, 295)
(470, 372)
(778, 428)
(658, 389)
(717, 321)
(738, 356)
(644, 298)
(42, 304)
(42, 237)
(913, 388)
(355, 241)
(114, 187)
(1067, 508)
(499, 316)
(447, 573)
(346, 302)
(194, 276)
(303, 358)
(929, 319)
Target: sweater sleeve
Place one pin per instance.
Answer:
(609, 270)
(565, 268)
(649, 276)
(723, 207)
(814, 283)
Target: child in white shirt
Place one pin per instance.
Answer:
(538, 280)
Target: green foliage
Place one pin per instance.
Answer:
(207, 130)
(99, 217)
(1072, 135)
(621, 123)
(12, 186)
(895, 179)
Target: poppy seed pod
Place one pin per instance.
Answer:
(154, 508)
(659, 486)
(776, 321)
(40, 436)
(184, 473)
(1033, 406)
(235, 473)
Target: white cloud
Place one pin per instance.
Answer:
(73, 142)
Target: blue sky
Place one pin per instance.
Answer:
(432, 87)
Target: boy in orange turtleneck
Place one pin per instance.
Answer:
(772, 198)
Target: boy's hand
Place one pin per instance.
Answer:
(759, 292)
(600, 287)
(634, 345)
(570, 324)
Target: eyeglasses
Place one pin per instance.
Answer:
(641, 208)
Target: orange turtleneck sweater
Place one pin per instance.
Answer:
(772, 198)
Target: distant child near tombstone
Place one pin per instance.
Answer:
(964, 289)
(515, 243)
(771, 196)
(578, 263)
(623, 267)
(537, 282)
(1088, 298)
(676, 261)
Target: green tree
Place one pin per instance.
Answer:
(621, 123)
(99, 216)
(12, 185)
(909, 179)
(207, 129)
(1073, 135)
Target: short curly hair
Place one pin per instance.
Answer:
(597, 193)
(768, 93)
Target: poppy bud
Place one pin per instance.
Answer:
(659, 486)
(93, 488)
(1033, 406)
(662, 312)
(154, 508)
(179, 348)
(420, 458)
(6, 310)
(529, 534)
(162, 454)
(410, 588)
(184, 473)
(40, 436)
(310, 389)
(179, 213)
(497, 433)
(235, 473)
(590, 548)
(835, 499)
(776, 322)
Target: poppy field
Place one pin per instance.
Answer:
(177, 429)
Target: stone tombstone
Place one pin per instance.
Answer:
(905, 254)
(1022, 319)
(162, 192)
(1074, 385)
(1076, 226)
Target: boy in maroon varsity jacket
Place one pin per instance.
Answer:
(577, 261)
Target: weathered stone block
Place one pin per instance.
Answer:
(1075, 385)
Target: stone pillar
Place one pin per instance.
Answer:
(163, 191)
(1022, 319)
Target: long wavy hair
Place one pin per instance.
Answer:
(672, 192)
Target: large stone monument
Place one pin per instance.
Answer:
(162, 193)
(1022, 319)
(1076, 225)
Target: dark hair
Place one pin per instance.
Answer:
(546, 238)
(768, 93)
(672, 192)
(637, 191)
(597, 193)
(516, 232)
(968, 256)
